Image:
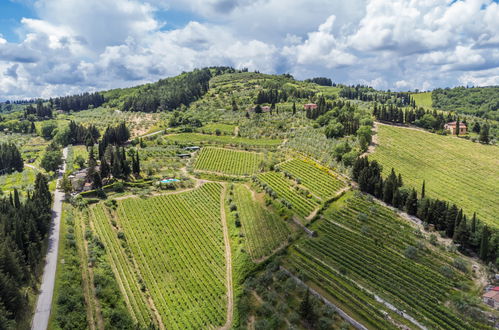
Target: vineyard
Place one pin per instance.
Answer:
(376, 260)
(263, 230)
(228, 161)
(169, 247)
(319, 181)
(455, 170)
(196, 138)
(287, 191)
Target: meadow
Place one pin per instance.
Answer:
(423, 99)
(228, 161)
(171, 248)
(454, 169)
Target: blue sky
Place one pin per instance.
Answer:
(59, 47)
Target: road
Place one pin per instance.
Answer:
(44, 303)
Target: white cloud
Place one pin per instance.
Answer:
(74, 45)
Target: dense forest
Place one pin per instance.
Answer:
(10, 158)
(78, 102)
(478, 101)
(38, 112)
(23, 228)
(323, 81)
(369, 94)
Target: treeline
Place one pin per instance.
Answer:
(369, 94)
(479, 101)
(23, 229)
(323, 81)
(10, 159)
(38, 112)
(469, 234)
(79, 134)
(78, 102)
(170, 93)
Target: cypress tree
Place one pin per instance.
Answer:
(461, 236)
(484, 244)
(473, 223)
(423, 190)
(294, 108)
(411, 204)
(452, 214)
(17, 202)
(457, 126)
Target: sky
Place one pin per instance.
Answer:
(60, 47)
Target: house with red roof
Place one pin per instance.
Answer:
(310, 106)
(451, 127)
(491, 297)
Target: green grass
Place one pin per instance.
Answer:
(195, 138)
(423, 99)
(263, 230)
(454, 169)
(212, 128)
(316, 179)
(377, 239)
(177, 245)
(228, 161)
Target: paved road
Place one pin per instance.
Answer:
(44, 303)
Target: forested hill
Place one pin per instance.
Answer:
(478, 101)
(165, 94)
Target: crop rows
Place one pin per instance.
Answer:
(283, 189)
(454, 169)
(190, 138)
(177, 243)
(318, 181)
(263, 230)
(407, 284)
(228, 161)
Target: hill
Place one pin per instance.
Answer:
(453, 169)
(478, 101)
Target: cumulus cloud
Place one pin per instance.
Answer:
(73, 45)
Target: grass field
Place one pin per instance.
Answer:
(454, 169)
(228, 161)
(376, 260)
(318, 180)
(263, 230)
(224, 129)
(423, 99)
(170, 248)
(195, 138)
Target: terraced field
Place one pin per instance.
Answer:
(319, 181)
(228, 161)
(170, 248)
(374, 260)
(196, 138)
(454, 169)
(278, 186)
(263, 230)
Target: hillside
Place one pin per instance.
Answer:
(223, 198)
(479, 101)
(453, 169)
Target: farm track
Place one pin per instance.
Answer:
(228, 258)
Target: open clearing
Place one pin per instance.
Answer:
(423, 99)
(454, 169)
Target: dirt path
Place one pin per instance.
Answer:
(228, 259)
(374, 141)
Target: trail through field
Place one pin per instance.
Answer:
(44, 303)
(374, 141)
(228, 259)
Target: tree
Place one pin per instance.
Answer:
(258, 108)
(334, 130)
(234, 105)
(484, 134)
(411, 204)
(457, 126)
(306, 310)
(423, 190)
(48, 130)
(51, 160)
(452, 215)
(462, 235)
(484, 244)
(294, 108)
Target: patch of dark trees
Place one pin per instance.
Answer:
(322, 81)
(342, 112)
(79, 134)
(38, 112)
(78, 102)
(369, 94)
(23, 230)
(471, 236)
(10, 159)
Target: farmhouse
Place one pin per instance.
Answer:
(491, 297)
(310, 106)
(451, 127)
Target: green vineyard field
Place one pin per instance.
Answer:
(455, 170)
(263, 230)
(172, 246)
(196, 138)
(228, 161)
(318, 181)
(366, 243)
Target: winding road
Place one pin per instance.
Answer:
(44, 303)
